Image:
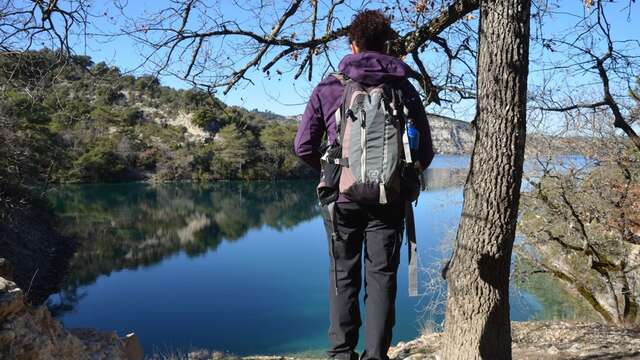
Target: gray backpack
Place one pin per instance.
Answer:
(368, 163)
(371, 161)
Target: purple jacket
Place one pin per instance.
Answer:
(370, 68)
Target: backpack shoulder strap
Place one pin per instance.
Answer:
(341, 112)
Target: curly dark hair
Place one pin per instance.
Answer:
(370, 30)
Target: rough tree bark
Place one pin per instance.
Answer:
(477, 318)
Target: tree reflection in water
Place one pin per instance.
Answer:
(127, 226)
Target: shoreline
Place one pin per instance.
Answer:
(532, 340)
(31, 332)
(151, 181)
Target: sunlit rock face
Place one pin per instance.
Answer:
(450, 136)
(28, 332)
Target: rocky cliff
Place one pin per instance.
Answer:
(31, 333)
(450, 136)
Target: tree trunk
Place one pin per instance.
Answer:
(477, 318)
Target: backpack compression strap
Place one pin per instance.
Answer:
(412, 250)
(328, 213)
(400, 109)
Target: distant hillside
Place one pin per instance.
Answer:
(268, 115)
(87, 122)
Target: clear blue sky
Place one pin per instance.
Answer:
(288, 96)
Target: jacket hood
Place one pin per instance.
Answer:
(373, 68)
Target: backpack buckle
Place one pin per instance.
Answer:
(351, 115)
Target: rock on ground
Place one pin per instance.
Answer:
(545, 340)
(535, 340)
(574, 340)
(31, 333)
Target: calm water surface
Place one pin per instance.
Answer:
(231, 266)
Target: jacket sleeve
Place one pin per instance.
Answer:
(419, 116)
(310, 132)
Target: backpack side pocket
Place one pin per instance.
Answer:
(330, 170)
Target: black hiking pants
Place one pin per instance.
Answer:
(374, 232)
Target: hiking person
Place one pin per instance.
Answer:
(378, 144)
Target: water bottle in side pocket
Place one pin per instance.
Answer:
(414, 136)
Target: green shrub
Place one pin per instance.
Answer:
(103, 114)
(202, 158)
(233, 151)
(27, 109)
(147, 159)
(130, 116)
(147, 83)
(82, 61)
(73, 110)
(128, 81)
(277, 141)
(100, 69)
(108, 95)
(55, 100)
(100, 164)
(207, 119)
(78, 107)
(126, 116)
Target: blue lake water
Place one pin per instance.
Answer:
(230, 266)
